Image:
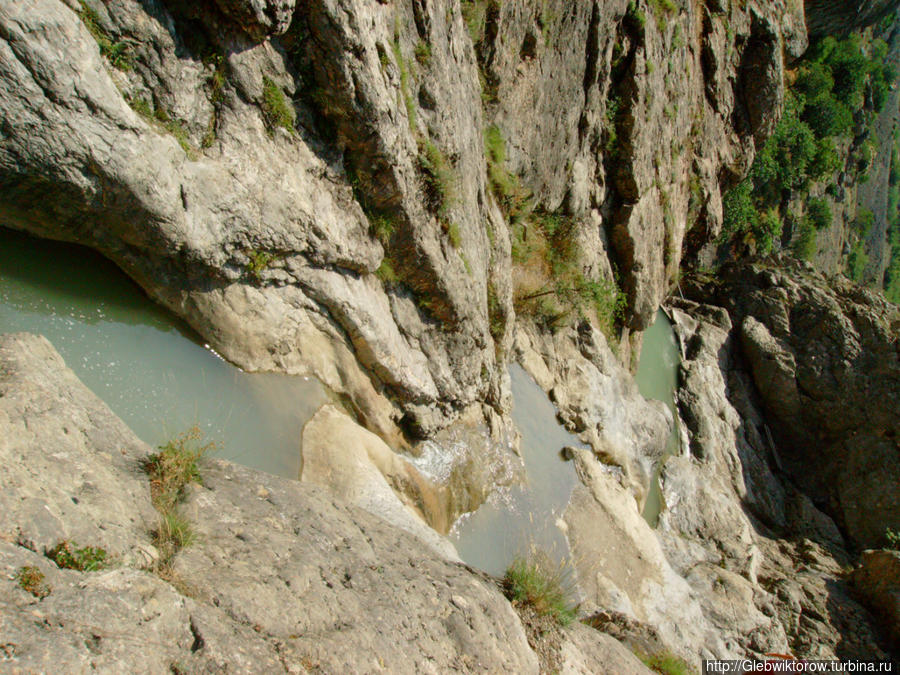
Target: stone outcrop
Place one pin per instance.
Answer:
(762, 567)
(823, 355)
(281, 577)
(877, 580)
(839, 17)
(630, 123)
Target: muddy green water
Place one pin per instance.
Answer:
(657, 378)
(523, 519)
(149, 368)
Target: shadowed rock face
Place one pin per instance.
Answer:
(823, 354)
(839, 17)
(305, 183)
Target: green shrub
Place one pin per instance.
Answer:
(865, 219)
(857, 262)
(805, 245)
(661, 11)
(636, 15)
(174, 466)
(474, 14)
(423, 52)
(383, 225)
(455, 237)
(541, 585)
(405, 89)
(31, 579)
(386, 272)
(667, 663)
(277, 112)
(440, 177)
(258, 262)
(118, 53)
(818, 213)
(68, 556)
(892, 539)
(170, 471)
(510, 194)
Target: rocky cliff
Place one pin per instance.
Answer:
(823, 355)
(788, 392)
(399, 197)
(309, 185)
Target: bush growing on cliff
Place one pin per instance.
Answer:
(805, 245)
(540, 584)
(857, 262)
(549, 284)
(818, 213)
(118, 53)
(826, 101)
(892, 539)
(439, 176)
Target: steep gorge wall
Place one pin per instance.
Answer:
(307, 185)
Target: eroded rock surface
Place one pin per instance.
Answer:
(305, 183)
(824, 358)
(281, 577)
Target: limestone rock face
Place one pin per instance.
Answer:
(281, 576)
(216, 163)
(305, 183)
(633, 121)
(259, 17)
(823, 355)
(839, 17)
(758, 555)
(71, 469)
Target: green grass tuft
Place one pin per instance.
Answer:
(174, 532)
(423, 52)
(455, 236)
(277, 112)
(118, 53)
(440, 177)
(667, 663)
(258, 262)
(386, 272)
(170, 471)
(540, 584)
(174, 466)
(892, 539)
(383, 225)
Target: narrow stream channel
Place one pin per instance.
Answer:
(145, 364)
(523, 519)
(657, 378)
